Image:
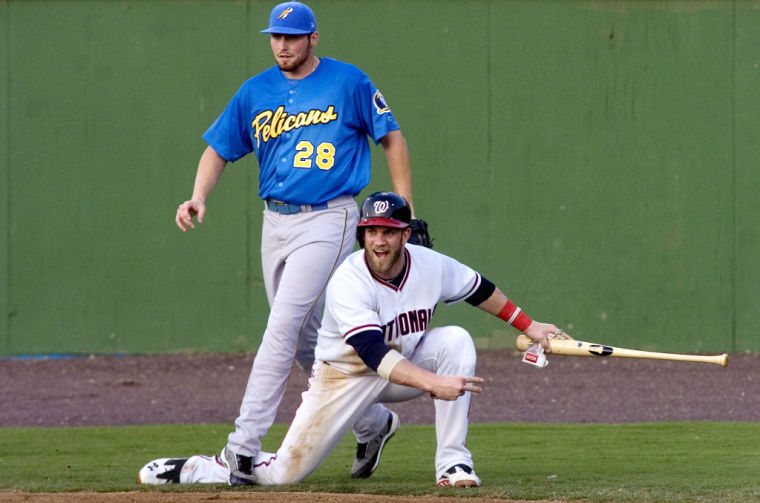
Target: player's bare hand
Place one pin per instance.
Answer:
(542, 332)
(187, 211)
(452, 387)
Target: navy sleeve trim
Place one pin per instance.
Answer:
(473, 289)
(484, 290)
(370, 347)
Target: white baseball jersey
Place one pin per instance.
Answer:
(342, 392)
(358, 300)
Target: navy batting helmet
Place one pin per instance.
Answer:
(384, 209)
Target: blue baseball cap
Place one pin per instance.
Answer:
(292, 18)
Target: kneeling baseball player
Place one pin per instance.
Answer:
(376, 344)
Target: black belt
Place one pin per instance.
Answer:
(289, 209)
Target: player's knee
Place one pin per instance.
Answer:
(459, 343)
(290, 473)
(459, 335)
(288, 479)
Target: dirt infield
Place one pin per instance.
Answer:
(207, 388)
(269, 497)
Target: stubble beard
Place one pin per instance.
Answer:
(381, 267)
(293, 65)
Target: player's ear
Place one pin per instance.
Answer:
(407, 234)
(314, 39)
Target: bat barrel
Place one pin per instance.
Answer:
(721, 360)
(581, 348)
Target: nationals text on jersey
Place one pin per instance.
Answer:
(270, 124)
(407, 323)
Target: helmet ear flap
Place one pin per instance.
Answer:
(360, 236)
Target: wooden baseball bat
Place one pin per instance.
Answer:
(581, 348)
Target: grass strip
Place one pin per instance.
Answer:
(646, 462)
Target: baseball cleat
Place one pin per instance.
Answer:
(459, 476)
(368, 454)
(241, 469)
(161, 471)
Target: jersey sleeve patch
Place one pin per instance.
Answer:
(380, 105)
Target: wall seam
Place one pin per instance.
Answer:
(489, 116)
(734, 222)
(8, 245)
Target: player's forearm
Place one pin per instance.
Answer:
(391, 365)
(443, 387)
(399, 165)
(499, 305)
(494, 303)
(408, 374)
(210, 169)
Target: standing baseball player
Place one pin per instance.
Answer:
(307, 120)
(377, 344)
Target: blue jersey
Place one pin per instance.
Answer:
(310, 135)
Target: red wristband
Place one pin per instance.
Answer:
(515, 316)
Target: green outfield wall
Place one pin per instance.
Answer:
(596, 159)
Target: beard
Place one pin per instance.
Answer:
(382, 266)
(293, 64)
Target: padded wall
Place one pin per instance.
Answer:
(597, 160)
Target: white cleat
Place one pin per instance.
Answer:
(161, 471)
(459, 476)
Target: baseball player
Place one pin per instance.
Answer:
(307, 120)
(377, 344)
